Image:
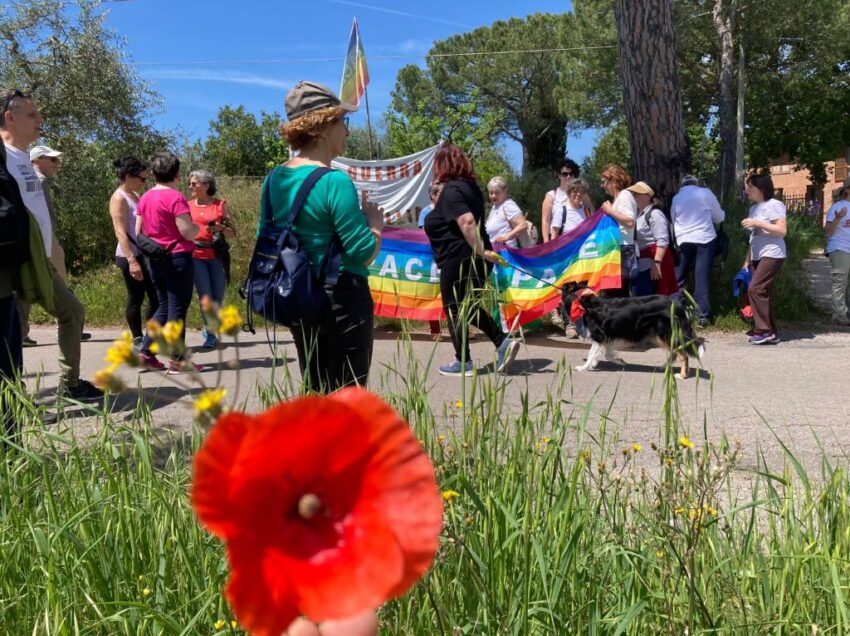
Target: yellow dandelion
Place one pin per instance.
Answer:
(441, 438)
(121, 351)
(153, 328)
(684, 442)
(637, 448)
(234, 624)
(154, 348)
(450, 495)
(459, 404)
(172, 331)
(230, 319)
(146, 592)
(106, 380)
(546, 440)
(219, 624)
(208, 403)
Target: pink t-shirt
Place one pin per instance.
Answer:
(159, 208)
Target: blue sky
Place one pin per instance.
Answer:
(203, 55)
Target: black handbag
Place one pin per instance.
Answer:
(150, 249)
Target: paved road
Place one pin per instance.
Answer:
(797, 386)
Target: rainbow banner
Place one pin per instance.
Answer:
(355, 74)
(405, 281)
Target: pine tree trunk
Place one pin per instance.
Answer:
(724, 24)
(647, 52)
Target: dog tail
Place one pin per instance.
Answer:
(698, 345)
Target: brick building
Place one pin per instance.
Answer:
(796, 189)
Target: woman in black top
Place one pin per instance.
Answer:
(462, 250)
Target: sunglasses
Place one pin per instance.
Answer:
(566, 174)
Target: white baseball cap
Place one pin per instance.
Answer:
(43, 151)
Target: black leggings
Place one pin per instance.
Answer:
(136, 292)
(337, 352)
(459, 280)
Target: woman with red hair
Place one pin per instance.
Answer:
(462, 250)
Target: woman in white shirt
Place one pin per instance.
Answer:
(837, 230)
(506, 221)
(615, 180)
(767, 226)
(567, 170)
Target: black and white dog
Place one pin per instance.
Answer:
(645, 319)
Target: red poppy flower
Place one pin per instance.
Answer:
(328, 506)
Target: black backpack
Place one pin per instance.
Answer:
(281, 286)
(14, 219)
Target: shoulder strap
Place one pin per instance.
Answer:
(300, 197)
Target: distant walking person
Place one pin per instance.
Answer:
(163, 216)
(20, 126)
(837, 230)
(215, 224)
(132, 175)
(656, 270)
(694, 212)
(767, 226)
(463, 253)
(623, 209)
(46, 163)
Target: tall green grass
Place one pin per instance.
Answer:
(557, 529)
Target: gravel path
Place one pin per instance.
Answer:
(791, 390)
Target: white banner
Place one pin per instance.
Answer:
(398, 186)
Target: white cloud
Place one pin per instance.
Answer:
(405, 14)
(230, 77)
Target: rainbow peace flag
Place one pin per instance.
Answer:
(405, 281)
(355, 74)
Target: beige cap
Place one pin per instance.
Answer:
(308, 96)
(641, 188)
(43, 151)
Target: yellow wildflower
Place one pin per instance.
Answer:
(208, 403)
(441, 438)
(141, 577)
(684, 442)
(106, 380)
(459, 404)
(153, 328)
(678, 511)
(450, 495)
(234, 624)
(172, 331)
(121, 351)
(637, 448)
(230, 319)
(154, 348)
(546, 440)
(219, 624)
(146, 592)
(659, 554)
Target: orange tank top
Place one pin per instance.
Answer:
(202, 216)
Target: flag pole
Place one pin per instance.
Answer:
(368, 122)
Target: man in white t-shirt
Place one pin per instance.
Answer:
(20, 126)
(837, 230)
(694, 212)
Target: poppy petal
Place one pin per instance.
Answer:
(213, 465)
(260, 596)
(351, 578)
(402, 477)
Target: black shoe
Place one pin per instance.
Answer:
(26, 341)
(85, 391)
(85, 336)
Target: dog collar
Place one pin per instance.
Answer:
(576, 310)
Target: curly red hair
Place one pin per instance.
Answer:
(451, 163)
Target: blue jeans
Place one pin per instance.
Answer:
(643, 285)
(209, 281)
(173, 280)
(700, 258)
